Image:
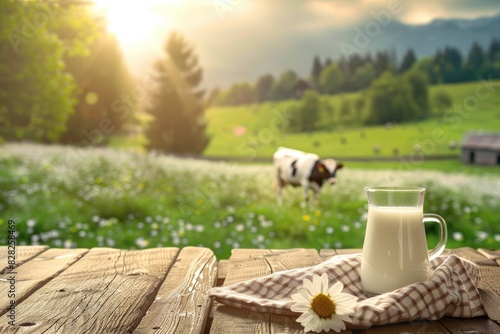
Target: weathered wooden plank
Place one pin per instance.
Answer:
(247, 253)
(247, 264)
(471, 255)
(243, 264)
(23, 254)
(415, 327)
(230, 320)
(481, 325)
(280, 260)
(106, 291)
(347, 251)
(33, 274)
(491, 255)
(182, 305)
(329, 253)
(222, 267)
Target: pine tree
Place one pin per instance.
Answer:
(476, 57)
(494, 51)
(178, 104)
(408, 60)
(381, 63)
(316, 70)
(452, 58)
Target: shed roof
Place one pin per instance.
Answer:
(482, 140)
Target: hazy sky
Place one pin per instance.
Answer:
(245, 29)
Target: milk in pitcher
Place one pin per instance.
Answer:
(395, 249)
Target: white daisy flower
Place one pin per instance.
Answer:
(323, 308)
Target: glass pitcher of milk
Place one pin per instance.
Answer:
(395, 250)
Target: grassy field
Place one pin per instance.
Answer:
(75, 197)
(71, 197)
(475, 108)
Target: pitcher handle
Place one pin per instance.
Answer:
(443, 234)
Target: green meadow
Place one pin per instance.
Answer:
(475, 107)
(65, 196)
(104, 197)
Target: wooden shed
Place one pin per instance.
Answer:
(481, 148)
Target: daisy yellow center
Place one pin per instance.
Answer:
(323, 305)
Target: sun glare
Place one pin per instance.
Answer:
(419, 17)
(132, 20)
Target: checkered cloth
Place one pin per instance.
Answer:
(451, 290)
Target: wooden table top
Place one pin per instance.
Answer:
(164, 290)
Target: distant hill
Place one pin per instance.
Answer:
(350, 140)
(297, 50)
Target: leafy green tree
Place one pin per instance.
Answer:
(106, 98)
(408, 60)
(327, 113)
(239, 93)
(263, 87)
(345, 109)
(310, 110)
(36, 92)
(419, 87)
(359, 105)
(390, 100)
(178, 106)
(441, 101)
(331, 79)
(423, 64)
(283, 87)
(363, 76)
(305, 115)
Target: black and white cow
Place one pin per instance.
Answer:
(297, 168)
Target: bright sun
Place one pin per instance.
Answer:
(132, 20)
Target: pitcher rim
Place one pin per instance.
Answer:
(394, 189)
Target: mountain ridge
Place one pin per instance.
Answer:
(297, 53)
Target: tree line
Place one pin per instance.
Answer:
(59, 71)
(357, 72)
(63, 79)
(391, 98)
